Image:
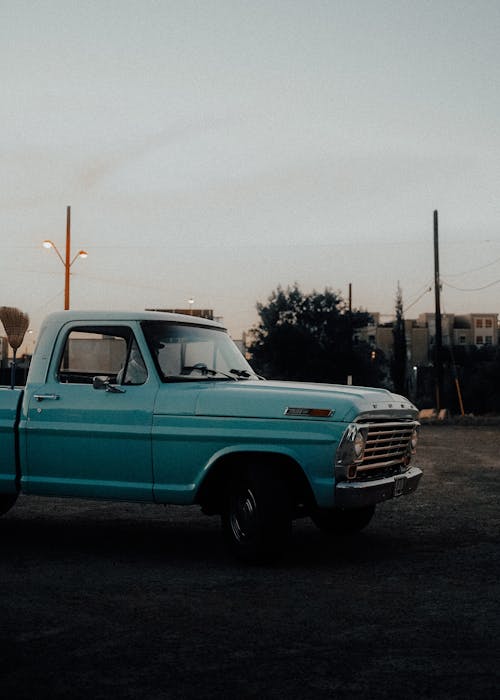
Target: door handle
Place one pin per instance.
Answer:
(46, 397)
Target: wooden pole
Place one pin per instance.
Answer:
(349, 331)
(438, 340)
(67, 263)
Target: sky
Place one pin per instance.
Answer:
(214, 150)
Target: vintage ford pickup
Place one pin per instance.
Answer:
(163, 408)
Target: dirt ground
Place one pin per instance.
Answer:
(102, 600)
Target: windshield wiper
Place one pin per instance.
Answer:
(204, 370)
(244, 374)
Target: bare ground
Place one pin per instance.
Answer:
(102, 600)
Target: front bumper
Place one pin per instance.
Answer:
(356, 494)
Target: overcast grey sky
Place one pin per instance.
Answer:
(216, 149)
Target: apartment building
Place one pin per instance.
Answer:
(477, 329)
(380, 336)
(473, 329)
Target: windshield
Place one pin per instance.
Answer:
(185, 352)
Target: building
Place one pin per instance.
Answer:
(380, 337)
(473, 329)
(476, 329)
(469, 330)
(201, 313)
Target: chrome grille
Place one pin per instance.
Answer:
(387, 445)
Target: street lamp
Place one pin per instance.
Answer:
(66, 261)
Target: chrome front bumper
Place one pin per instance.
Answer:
(356, 494)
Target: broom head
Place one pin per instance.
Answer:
(16, 324)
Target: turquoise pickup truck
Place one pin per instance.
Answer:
(163, 408)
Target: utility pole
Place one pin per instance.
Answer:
(66, 261)
(349, 330)
(67, 264)
(438, 340)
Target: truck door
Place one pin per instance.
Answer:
(88, 429)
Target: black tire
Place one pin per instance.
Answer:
(7, 500)
(256, 518)
(338, 521)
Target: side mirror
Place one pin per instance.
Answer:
(102, 383)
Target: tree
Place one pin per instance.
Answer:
(478, 371)
(308, 337)
(398, 364)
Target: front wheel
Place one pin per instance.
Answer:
(256, 520)
(339, 521)
(7, 500)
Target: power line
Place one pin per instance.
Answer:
(476, 269)
(422, 288)
(426, 291)
(474, 289)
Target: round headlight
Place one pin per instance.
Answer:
(414, 439)
(358, 445)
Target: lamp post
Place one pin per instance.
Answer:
(66, 261)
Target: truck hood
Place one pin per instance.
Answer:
(271, 399)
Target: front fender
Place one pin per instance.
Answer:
(186, 448)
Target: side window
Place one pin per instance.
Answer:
(134, 371)
(105, 351)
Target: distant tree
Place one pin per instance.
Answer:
(398, 364)
(308, 337)
(478, 371)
